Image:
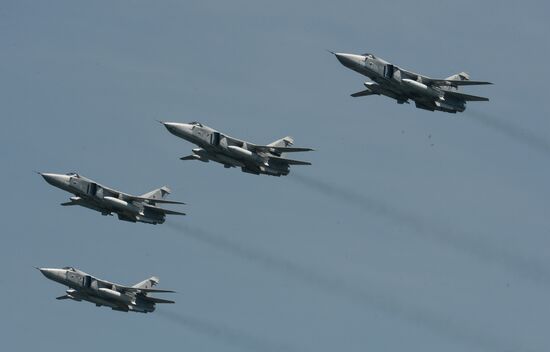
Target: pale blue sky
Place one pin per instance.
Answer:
(385, 243)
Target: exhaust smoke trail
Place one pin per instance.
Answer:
(470, 244)
(222, 333)
(515, 132)
(382, 302)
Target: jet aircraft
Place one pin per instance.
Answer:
(402, 85)
(92, 195)
(84, 287)
(231, 152)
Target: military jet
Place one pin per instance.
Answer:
(92, 195)
(84, 287)
(402, 85)
(231, 152)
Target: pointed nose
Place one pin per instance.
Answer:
(170, 125)
(52, 274)
(56, 180)
(349, 60)
(178, 129)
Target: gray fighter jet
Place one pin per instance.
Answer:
(402, 85)
(231, 152)
(84, 287)
(92, 195)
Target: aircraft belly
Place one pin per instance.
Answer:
(394, 93)
(226, 160)
(101, 301)
(89, 203)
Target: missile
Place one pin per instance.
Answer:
(121, 205)
(421, 88)
(117, 296)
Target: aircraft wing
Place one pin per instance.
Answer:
(465, 97)
(143, 290)
(129, 197)
(164, 201)
(289, 161)
(454, 82)
(363, 93)
(266, 148)
(162, 210)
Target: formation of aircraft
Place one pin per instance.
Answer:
(271, 159)
(92, 195)
(85, 287)
(402, 85)
(256, 159)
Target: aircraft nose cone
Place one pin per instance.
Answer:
(46, 272)
(178, 129)
(56, 180)
(52, 274)
(348, 59)
(170, 126)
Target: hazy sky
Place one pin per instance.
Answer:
(411, 231)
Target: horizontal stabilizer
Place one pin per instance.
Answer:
(465, 97)
(363, 93)
(157, 300)
(162, 210)
(289, 161)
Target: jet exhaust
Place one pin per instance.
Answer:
(380, 301)
(470, 244)
(223, 333)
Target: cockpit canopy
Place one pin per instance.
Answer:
(368, 55)
(195, 123)
(72, 174)
(70, 268)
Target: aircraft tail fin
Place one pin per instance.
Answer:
(158, 193)
(148, 283)
(283, 142)
(462, 76)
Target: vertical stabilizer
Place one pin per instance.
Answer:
(159, 193)
(462, 76)
(148, 283)
(283, 142)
